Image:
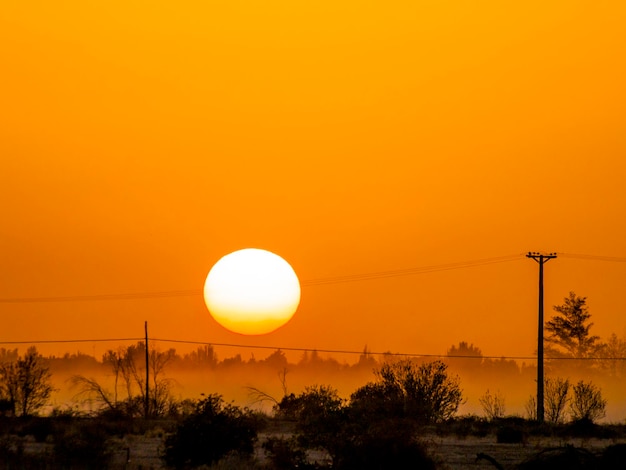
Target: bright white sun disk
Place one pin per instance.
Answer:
(252, 291)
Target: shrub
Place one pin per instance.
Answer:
(383, 444)
(510, 434)
(285, 454)
(424, 392)
(81, 444)
(39, 428)
(614, 457)
(319, 414)
(511, 430)
(531, 408)
(493, 405)
(568, 457)
(466, 426)
(13, 456)
(582, 428)
(556, 398)
(212, 431)
(587, 403)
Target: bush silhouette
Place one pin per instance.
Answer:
(286, 454)
(212, 431)
(425, 393)
(81, 445)
(381, 444)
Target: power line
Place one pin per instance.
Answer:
(347, 351)
(52, 341)
(301, 349)
(305, 283)
(410, 271)
(338, 351)
(97, 297)
(613, 259)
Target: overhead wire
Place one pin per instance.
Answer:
(387, 353)
(99, 297)
(614, 259)
(301, 349)
(411, 271)
(309, 282)
(306, 283)
(53, 341)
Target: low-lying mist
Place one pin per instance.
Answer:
(259, 383)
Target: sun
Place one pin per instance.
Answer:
(252, 291)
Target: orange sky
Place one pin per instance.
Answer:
(142, 141)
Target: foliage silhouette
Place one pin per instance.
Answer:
(129, 372)
(25, 383)
(493, 405)
(587, 402)
(211, 432)
(82, 445)
(287, 454)
(568, 331)
(556, 398)
(425, 392)
(319, 414)
(380, 445)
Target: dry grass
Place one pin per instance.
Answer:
(142, 451)
(460, 454)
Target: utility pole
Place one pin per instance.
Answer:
(541, 259)
(147, 397)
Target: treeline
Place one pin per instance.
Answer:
(568, 338)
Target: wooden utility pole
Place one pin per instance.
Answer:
(541, 259)
(147, 397)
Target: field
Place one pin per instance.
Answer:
(461, 454)
(138, 445)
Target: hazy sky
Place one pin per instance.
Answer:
(142, 141)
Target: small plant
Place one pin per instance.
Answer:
(466, 426)
(556, 398)
(39, 428)
(226, 427)
(531, 408)
(510, 433)
(26, 383)
(382, 445)
(493, 405)
(81, 445)
(285, 454)
(425, 392)
(568, 457)
(587, 403)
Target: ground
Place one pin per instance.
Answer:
(134, 452)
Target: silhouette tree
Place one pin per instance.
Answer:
(128, 366)
(465, 349)
(366, 360)
(613, 352)
(465, 357)
(568, 331)
(25, 383)
(204, 356)
(276, 361)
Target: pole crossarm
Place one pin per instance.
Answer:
(541, 257)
